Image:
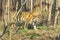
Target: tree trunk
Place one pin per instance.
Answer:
(56, 19)
(31, 6)
(0, 8)
(50, 8)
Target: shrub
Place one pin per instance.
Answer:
(23, 31)
(42, 27)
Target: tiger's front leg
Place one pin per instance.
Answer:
(35, 28)
(25, 25)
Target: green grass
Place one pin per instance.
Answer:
(34, 35)
(42, 27)
(44, 12)
(23, 31)
(52, 29)
(1, 30)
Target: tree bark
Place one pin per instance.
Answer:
(50, 8)
(31, 6)
(55, 22)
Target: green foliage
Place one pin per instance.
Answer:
(43, 27)
(20, 25)
(34, 35)
(44, 12)
(30, 26)
(1, 30)
(23, 31)
(52, 29)
(10, 23)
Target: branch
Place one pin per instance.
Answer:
(21, 8)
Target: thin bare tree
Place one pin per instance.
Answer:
(31, 6)
(50, 8)
(55, 21)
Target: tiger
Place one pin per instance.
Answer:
(29, 18)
